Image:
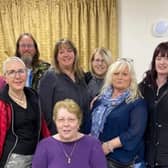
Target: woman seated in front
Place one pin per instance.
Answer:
(69, 148)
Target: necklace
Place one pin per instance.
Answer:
(21, 101)
(69, 155)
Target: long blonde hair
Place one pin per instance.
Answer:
(117, 66)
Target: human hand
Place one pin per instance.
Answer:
(107, 148)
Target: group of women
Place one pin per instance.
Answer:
(116, 120)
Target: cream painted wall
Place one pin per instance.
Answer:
(136, 41)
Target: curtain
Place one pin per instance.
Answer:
(88, 23)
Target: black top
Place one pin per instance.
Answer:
(25, 128)
(94, 86)
(55, 87)
(156, 136)
(25, 125)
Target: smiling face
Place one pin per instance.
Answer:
(66, 57)
(121, 79)
(26, 49)
(67, 124)
(15, 75)
(99, 65)
(161, 65)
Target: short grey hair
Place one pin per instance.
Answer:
(10, 59)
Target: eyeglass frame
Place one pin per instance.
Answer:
(30, 46)
(12, 73)
(103, 61)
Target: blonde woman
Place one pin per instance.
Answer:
(69, 148)
(119, 116)
(100, 60)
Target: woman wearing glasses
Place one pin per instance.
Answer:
(100, 60)
(20, 118)
(119, 116)
(69, 148)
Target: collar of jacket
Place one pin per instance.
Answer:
(28, 91)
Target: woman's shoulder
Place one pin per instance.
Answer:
(91, 139)
(137, 104)
(50, 75)
(50, 72)
(47, 141)
(140, 101)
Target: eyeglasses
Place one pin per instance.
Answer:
(26, 45)
(68, 120)
(99, 61)
(12, 73)
(129, 60)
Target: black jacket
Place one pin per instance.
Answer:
(156, 136)
(33, 98)
(54, 87)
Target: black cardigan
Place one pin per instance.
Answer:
(156, 136)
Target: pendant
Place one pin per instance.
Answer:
(69, 160)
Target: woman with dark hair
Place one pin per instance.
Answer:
(65, 79)
(154, 88)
